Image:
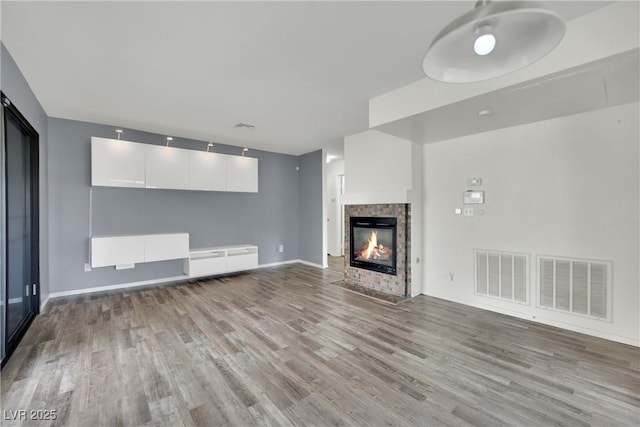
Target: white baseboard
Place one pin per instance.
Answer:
(292, 261)
(544, 321)
(43, 304)
(275, 264)
(118, 286)
(301, 261)
(157, 281)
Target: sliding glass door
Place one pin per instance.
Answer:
(20, 271)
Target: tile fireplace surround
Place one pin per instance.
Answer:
(388, 284)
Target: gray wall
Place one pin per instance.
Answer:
(266, 219)
(310, 234)
(16, 88)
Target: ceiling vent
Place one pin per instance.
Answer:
(244, 125)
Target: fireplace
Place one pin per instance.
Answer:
(373, 244)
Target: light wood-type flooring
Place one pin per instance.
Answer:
(282, 347)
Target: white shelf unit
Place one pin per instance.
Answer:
(126, 251)
(220, 260)
(118, 163)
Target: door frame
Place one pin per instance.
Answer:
(9, 109)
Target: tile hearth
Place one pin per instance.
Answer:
(371, 293)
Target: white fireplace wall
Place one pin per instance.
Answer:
(379, 169)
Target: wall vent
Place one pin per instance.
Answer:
(502, 275)
(574, 285)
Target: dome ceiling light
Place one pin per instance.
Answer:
(494, 39)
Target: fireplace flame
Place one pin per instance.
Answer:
(373, 250)
(371, 245)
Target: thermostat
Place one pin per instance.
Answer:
(472, 197)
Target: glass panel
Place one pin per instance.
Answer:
(18, 226)
(373, 245)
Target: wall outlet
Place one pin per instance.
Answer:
(467, 211)
(280, 248)
(87, 266)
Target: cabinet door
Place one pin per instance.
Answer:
(167, 167)
(160, 247)
(206, 264)
(207, 171)
(242, 259)
(120, 250)
(242, 174)
(116, 163)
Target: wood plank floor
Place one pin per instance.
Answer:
(282, 347)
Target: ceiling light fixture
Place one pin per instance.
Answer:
(118, 132)
(209, 145)
(169, 139)
(244, 150)
(494, 39)
(483, 113)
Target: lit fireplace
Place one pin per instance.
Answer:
(373, 243)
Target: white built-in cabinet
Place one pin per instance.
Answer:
(126, 251)
(220, 260)
(242, 174)
(207, 171)
(166, 167)
(117, 163)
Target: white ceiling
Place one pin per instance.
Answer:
(301, 72)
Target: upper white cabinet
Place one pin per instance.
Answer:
(207, 171)
(116, 163)
(166, 167)
(242, 174)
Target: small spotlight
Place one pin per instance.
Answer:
(209, 145)
(169, 138)
(244, 150)
(119, 132)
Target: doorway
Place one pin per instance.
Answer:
(19, 269)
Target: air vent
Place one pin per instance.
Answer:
(502, 275)
(245, 125)
(575, 286)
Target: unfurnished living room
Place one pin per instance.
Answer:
(330, 213)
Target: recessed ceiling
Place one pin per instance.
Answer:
(300, 72)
